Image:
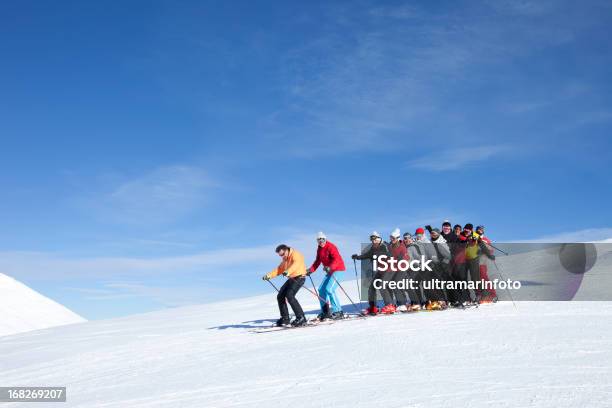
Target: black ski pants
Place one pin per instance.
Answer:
(416, 298)
(400, 294)
(459, 274)
(473, 273)
(287, 292)
(385, 293)
(435, 277)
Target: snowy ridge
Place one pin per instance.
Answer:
(537, 354)
(23, 309)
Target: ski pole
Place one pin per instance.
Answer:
(349, 298)
(313, 285)
(494, 247)
(273, 285)
(313, 293)
(502, 276)
(357, 280)
(315, 289)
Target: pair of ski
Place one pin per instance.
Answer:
(316, 322)
(310, 323)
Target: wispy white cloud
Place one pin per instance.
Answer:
(161, 195)
(384, 82)
(454, 159)
(214, 262)
(42, 265)
(167, 296)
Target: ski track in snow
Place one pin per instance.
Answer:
(544, 354)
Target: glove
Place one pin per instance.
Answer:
(327, 269)
(354, 256)
(285, 273)
(428, 228)
(265, 277)
(308, 271)
(491, 256)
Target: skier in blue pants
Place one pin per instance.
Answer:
(327, 291)
(333, 265)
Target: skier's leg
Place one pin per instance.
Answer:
(414, 294)
(336, 306)
(474, 276)
(400, 294)
(436, 276)
(294, 285)
(459, 275)
(445, 277)
(450, 293)
(426, 283)
(282, 304)
(484, 276)
(372, 298)
(386, 293)
(324, 292)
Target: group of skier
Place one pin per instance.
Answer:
(455, 254)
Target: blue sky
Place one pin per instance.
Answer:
(154, 153)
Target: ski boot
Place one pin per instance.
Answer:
(337, 315)
(283, 321)
(388, 309)
(325, 314)
(299, 321)
(372, 311)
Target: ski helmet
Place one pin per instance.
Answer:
(396, 233)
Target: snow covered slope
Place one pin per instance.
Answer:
(23, 309)
(545, 354)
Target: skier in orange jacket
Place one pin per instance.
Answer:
(292, 266)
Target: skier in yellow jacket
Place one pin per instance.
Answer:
(292, 266)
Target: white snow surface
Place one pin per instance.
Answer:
(23, 309)
(534, 354)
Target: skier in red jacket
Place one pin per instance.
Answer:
(333, 265)
(399, 252)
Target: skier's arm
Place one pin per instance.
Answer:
(274, 273)
(488, 251)
(444, 251)
(367, 254)
(316, 263)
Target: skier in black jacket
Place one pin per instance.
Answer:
(377, 248)
(454, 242)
